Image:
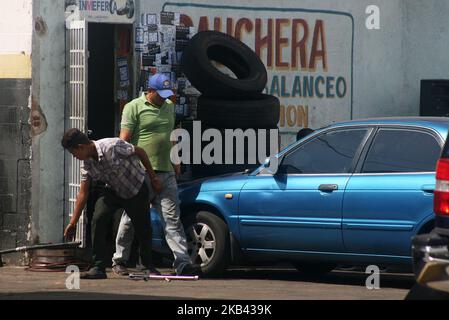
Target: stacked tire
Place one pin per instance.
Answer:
(228, 102)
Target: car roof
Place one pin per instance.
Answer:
(439, 124)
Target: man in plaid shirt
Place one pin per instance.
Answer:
(116, 163)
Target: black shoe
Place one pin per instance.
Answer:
(151, 271)
(120, 270)
(191, 270)
(94, 274)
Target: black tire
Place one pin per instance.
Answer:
(419, 292)
(313, 270)
(201, 170)
(261, 112)
(218, 230)
(209, 46)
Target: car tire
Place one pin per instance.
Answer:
(261, 112)
(209, 46)
(419, 292)
(207, 227)
(313, 270)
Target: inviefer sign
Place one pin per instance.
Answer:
(111, 11)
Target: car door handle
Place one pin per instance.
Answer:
(428, 188)
(328, 187)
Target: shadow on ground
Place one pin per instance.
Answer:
(387, 280)
(76, 295)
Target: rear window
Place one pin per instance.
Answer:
(395, 150)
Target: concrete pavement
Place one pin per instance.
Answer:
(242, 284)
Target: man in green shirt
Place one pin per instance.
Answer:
(148, 122)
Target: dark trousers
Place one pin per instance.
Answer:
(137, 209)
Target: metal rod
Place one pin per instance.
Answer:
(162, 277)
(41, 246)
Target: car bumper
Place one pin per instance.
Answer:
(442, 225)
(431, 261)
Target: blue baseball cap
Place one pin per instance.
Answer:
(162, 85)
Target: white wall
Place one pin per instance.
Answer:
(412, 44)
(15, 26)
(427, 46)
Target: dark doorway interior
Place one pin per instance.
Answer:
(101, 105)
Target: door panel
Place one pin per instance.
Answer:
(288, 212)
(381, 212)
(299, 209)
(384, 204)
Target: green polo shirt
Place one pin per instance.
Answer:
(151, 128)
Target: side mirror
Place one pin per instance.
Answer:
(271, 166)
(266, 163)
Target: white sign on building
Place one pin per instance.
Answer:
(308, 54)
(110, 11)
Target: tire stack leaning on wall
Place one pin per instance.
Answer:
(229, 102)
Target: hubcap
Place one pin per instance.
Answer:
(201, 243)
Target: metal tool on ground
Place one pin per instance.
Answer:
(166, 277)
(37, 247)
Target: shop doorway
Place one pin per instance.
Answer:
(109, 77)
(99, 85)
(100, 93)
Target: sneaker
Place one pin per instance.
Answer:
(191, 270)
(94, 274)
(120, 270)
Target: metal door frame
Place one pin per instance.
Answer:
(76, 113)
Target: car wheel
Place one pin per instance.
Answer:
(208, 242)
(419, 292)
(261, 112)
(208, 46)
(313, 269)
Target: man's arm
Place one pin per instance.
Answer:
(177, 164)
(125, 134)
(145, 161)
(81, 200)
(147, 164)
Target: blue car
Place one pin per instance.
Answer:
(352, 193)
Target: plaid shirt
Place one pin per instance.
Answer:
(117, 166)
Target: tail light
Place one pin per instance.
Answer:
(441, 196)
